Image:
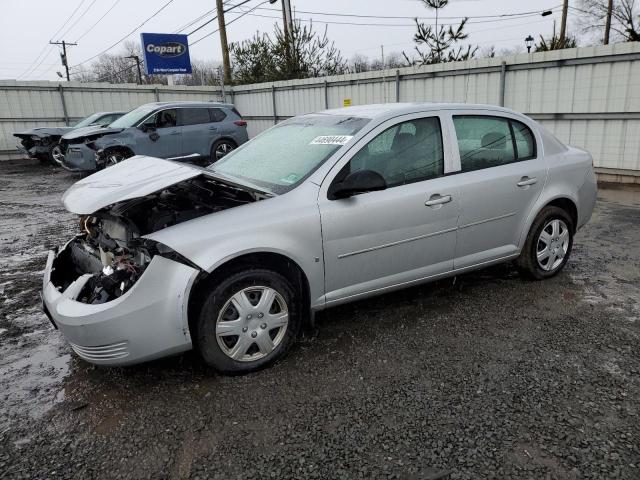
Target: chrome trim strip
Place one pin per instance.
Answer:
(399, 242)
(500, 217)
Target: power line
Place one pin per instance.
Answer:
(126, 36)
(194, 21)
(68, 19)
(334, 22)
(31, 68)
(386, 17)
(228, 23)
(78, 19)
(97, 21)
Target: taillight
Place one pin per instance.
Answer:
(240, 123)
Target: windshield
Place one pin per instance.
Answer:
(134, 117)
(280, 158)
(85, 122)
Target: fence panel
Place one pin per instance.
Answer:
(588, 97)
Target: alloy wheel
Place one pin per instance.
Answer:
(252, 323)
(553, 244)
(113, 159)
(57, 154)
(222, 149)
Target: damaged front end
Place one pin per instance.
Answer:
(112, 251)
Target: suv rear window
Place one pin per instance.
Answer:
(194, 116)
(217, 115)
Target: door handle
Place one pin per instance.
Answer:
(437, 199)
(213, 129)
(526, 181)
(175, 132)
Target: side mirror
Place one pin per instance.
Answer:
(361, 181)
(147, 128)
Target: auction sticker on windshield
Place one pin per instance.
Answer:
(331, 140)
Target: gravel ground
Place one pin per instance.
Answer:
(490, 376)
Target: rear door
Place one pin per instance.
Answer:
(501, 176)
(197, 130)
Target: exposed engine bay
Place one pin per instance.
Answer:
(111, 248)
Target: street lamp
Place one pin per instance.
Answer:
(529, 43)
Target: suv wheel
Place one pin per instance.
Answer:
(56, 154)
(221, 148)
(548, 244)
(247, 321)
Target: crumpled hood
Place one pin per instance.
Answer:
(135, 177)
(96, 130)
(44, 132)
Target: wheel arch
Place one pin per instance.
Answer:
(277, 262)
(566, 202)
(123, 148)
(223, 137)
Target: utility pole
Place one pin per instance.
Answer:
(288, 23)
(137, 59)
(563, 24)
(607, 27)
(63, 55)
(223, 40)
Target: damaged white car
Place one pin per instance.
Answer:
(319, 210)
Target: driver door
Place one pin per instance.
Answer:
(159, 135)
(384, 239)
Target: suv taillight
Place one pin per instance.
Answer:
(240, 123)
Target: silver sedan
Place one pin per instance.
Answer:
(319, 210)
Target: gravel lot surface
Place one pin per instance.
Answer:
(490, 376)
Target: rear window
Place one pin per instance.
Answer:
(217, 115)
(235, 110)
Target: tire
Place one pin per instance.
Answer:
(115, 156)
(235, 341)
(553, 246)
(220, 148)
(56, 155)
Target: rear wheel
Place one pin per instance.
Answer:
(548, 244)
(247, 321)
(221, 148)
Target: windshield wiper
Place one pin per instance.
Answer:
(237, 184)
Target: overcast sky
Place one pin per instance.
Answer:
(26, 26)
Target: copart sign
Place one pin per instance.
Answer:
(165, 53)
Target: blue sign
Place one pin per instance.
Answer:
(165, 53)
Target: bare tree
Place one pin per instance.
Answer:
(441, 43)
(625, 19)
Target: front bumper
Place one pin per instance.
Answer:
(79, 158)
(149, 321)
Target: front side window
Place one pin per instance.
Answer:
(485, 141)
(194, 116)
(280, 158)
(161, 119)
(405, 153)
(133, 118)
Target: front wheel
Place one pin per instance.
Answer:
(247, 321)
(548, 244)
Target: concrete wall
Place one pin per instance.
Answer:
(588, 97)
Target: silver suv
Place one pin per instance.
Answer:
(164, 130)
(319, 210)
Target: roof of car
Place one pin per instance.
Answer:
(191, 104)
(392, 109)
